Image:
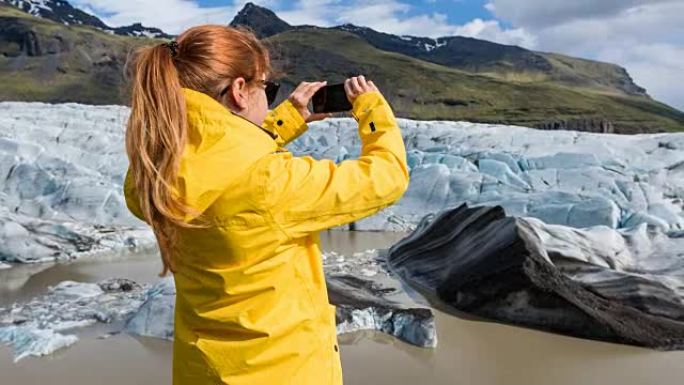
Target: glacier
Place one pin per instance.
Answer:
(570, 178)
(35, 328)
(586, 195)
(63, 165)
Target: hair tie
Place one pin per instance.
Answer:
(173, 46)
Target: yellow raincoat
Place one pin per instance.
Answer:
(252, 306)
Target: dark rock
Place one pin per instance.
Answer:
(380, 303)
(621, 286)
(579, 124)
(114, 285)
(25, 40)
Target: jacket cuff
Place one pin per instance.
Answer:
(365, 103)
(285, 121)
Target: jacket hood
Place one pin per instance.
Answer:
(221, 146)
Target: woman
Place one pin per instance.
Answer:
(237, 216)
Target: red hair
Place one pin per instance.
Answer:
(207, 59)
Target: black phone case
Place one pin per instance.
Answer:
(332, 98)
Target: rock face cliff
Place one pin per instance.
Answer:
(589, 125)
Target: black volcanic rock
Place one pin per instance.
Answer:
(621, 286)
(261, 20)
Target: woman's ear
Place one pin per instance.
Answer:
(238, 93)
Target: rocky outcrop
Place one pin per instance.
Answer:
(622, 286)
(19, 39)
(261, 20)
(589, 125)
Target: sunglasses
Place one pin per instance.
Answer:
(271, 89)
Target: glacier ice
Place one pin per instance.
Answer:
(63, 167)
(380, 303)
(34, 327)
(155, 316)
(576, 179)
(31, 341)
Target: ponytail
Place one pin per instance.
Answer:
(155, 140)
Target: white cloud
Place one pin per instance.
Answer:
(491, 30)
(536, 13)
(390, 16)
(172, 16)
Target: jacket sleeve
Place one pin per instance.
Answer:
(286, 122)
(131, 197)
(306, 195)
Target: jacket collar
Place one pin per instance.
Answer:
(207, 119)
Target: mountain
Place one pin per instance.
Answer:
(468, 54)
(43, 60)
(449, 78)
(499, 60)
(261, 20)
(460, 78)
(62, 12)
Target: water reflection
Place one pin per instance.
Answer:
(24, 281)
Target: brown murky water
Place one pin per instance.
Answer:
(468, 352)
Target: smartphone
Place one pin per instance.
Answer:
(332, 98)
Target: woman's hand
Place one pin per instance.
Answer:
(357, 85)
(301, 96)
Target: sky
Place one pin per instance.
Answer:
(644, 36)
